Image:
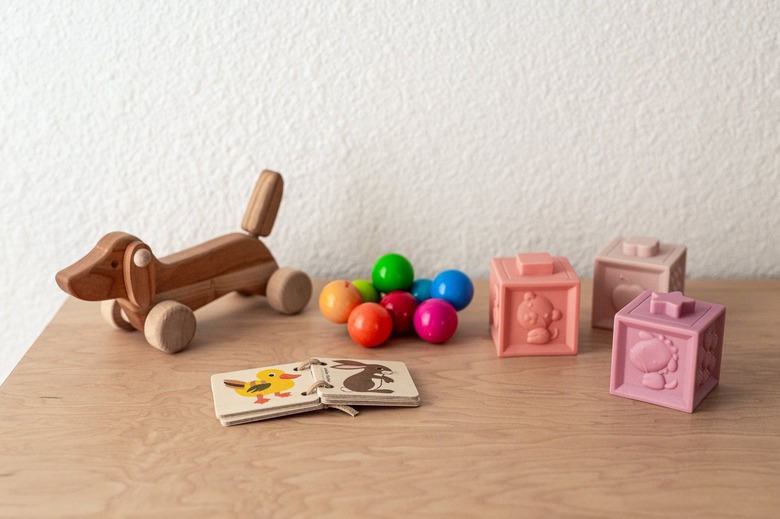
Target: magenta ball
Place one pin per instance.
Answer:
(435, 321)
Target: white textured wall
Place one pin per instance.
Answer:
(449, 131)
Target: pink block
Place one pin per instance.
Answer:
(666, 350)
(629, 266)
(534, 305)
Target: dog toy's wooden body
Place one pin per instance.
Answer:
(158, 296)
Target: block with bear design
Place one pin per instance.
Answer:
(534, 305)
(667, 349)
(628, 266)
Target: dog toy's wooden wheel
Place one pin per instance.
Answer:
(288, 290)
(112, 314)
(170, 326)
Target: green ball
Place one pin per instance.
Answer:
(392, 272)
(367, 290)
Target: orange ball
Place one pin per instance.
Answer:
(338, 299)
(370, 324)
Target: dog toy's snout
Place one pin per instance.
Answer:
(85, 285)
(98, 275)
(62, 282)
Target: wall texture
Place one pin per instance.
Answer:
(449, 131)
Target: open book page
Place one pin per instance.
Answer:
(365, 382)
(260, 393)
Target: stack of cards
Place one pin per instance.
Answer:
(262, 393)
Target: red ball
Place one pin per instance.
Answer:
(401, 306)
(435, 321)
(370, 324)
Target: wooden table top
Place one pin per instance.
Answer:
(94, 422)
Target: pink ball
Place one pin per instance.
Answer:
(435, 321)
(401, 306)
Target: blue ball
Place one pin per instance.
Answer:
(453, 286)
(421, 289)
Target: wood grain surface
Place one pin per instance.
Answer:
(96, 423)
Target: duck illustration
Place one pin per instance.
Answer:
(269, 381)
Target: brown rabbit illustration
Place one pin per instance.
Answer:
(368, 380)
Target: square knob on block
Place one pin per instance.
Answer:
(535, 264)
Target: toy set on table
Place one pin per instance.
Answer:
(667, 347)
(427, 307)
(158, 296)
(534, 305)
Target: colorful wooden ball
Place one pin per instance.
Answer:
(392, 272)
(338, 299)
(370, 324)
(421, 289)
(435, 321)
(453, 286)
(401, 306)
(367, 290)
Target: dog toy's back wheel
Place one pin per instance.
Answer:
(170, 326)
(112, 314)
(288, 290)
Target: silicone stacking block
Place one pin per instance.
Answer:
(666, 350)
(534, 305)
(627, 267)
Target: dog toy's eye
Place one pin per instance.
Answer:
(114, 264)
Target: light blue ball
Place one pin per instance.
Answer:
(421, 289)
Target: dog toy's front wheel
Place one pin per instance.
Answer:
(170, 326)
(113, 315)
(288, 290)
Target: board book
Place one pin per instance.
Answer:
(262, 393)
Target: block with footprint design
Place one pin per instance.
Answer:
(534, 305)
(630, 265)
(667, 349)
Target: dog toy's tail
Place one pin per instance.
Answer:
(261, 212)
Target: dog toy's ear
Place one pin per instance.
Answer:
(139, 274)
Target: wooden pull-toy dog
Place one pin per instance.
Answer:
(158, 296)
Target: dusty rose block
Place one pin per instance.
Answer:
(666, 350)
(629, 266)
(534, 305)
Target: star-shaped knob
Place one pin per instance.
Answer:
(673, 304)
